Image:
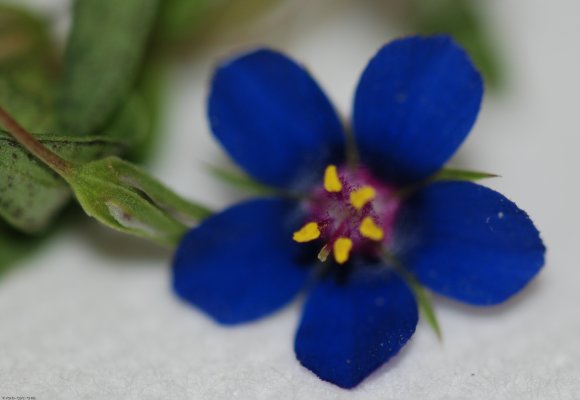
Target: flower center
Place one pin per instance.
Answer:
(351, 212)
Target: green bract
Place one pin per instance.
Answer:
(124, 198)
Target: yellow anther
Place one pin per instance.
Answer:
(331, 180)
(342, 248)
(370, 230)
(307, 233)
(360, 197)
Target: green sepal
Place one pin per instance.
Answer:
(452, 174)
(125, 198)
(134, 177)
(425, 305)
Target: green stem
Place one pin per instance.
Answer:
(30, 143)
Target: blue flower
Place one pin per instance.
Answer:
(348, 216)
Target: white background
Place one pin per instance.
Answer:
(92, 315)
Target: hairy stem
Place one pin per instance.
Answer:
(30, 143)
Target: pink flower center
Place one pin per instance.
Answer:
(351, 211)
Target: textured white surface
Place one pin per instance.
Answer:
(92, 315)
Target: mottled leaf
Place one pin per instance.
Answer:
(30, 193)
(102, 61)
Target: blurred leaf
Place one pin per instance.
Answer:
(27, 69)
(179, 20)
(131, 124)
(102, 61)
(14, 246)
(239, 180)
(182, 24)
(30, 193)
(148, 111)
(451, 174)
(462, 19)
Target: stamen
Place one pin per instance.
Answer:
(307, 233)
(324, 252)
(342, 248)
(360, 197)
(370, 230)
(331, 181)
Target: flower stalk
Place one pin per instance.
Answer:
(30, 143)
(116, 193)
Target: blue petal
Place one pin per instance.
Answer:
(274, 120)
(468, 242)
(350, 329)
(415, 103)
(241, 264)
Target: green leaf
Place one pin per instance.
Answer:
(14, 246)
(30, 193)
(452, 174)
(179, 20)
(239, 180)
(183, 23)
(102, 61)
(148, 112)
(131, 124)
(27, 69)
